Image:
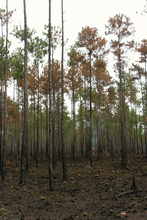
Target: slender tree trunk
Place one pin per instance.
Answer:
(86, 121)
(34, 143)
(13, 127)
(54, 113)
(50, 104)
(62, 101)
(59, 128)
(25, 126)
(18, 128)
(122, 112)
(146, 107)
(41, 142)
(74, 130)
(131, 131)
(47, 127)
(136, 133)
(90, 147)
(1, 103)
(144, 112)
(37, 150)
(116, 136)
(111, 134)
(82, 133)
(99, 133)
(31, 133)
(141, 140)
(5, 103)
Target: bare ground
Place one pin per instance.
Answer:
(99, 192)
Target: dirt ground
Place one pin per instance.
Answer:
(99, 192)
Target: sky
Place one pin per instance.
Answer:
(77, 14)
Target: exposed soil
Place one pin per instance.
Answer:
(99, 192)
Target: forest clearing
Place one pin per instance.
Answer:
(103, 191)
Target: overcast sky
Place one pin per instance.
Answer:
(78, 13)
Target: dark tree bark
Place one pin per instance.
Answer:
(90, 146)
(41, 142)
(50, 103)
(47, 126)
(59, 128)
(1, 102)
(81, 127)
(37, 150)
(18, 127)
(13, 126)
(53, 113)
(99, 133)
(34, 142)
(25, 122)
(111, 134)
(62, 101)
(145, 58)
(86, 120)
(5, 103)
(122, 112)
(74, 129)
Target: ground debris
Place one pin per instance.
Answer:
(131, 205)
(86, 194)
(125, 193)
(73, 216)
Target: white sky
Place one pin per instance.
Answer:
(78, 13)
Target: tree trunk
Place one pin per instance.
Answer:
(86, 122)
(37, 150)
(34, 143)
(90, 147)
(47, 126)
(31, 133)
(5, 102)
(99, 131)
(144, 112)
(146, 107)
(59, 128)
(136, 133)
(74, 129)
(41, 142)
(54, 113)
(81, 125)
(18, 128)
(12, 150)
(50, 103)
(1, 103)
(122, 112)
(62, 99)
(141, 140)
(111, 134)
(25, 124)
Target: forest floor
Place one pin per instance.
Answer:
(99, 192)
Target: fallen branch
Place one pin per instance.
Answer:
(125, 193)
(141, 157)
(129, 206)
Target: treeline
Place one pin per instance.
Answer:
(108, 115)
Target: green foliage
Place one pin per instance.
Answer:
(55, 36)
(38, 48)
(3, 54)
(17, 64)
(19, 32)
